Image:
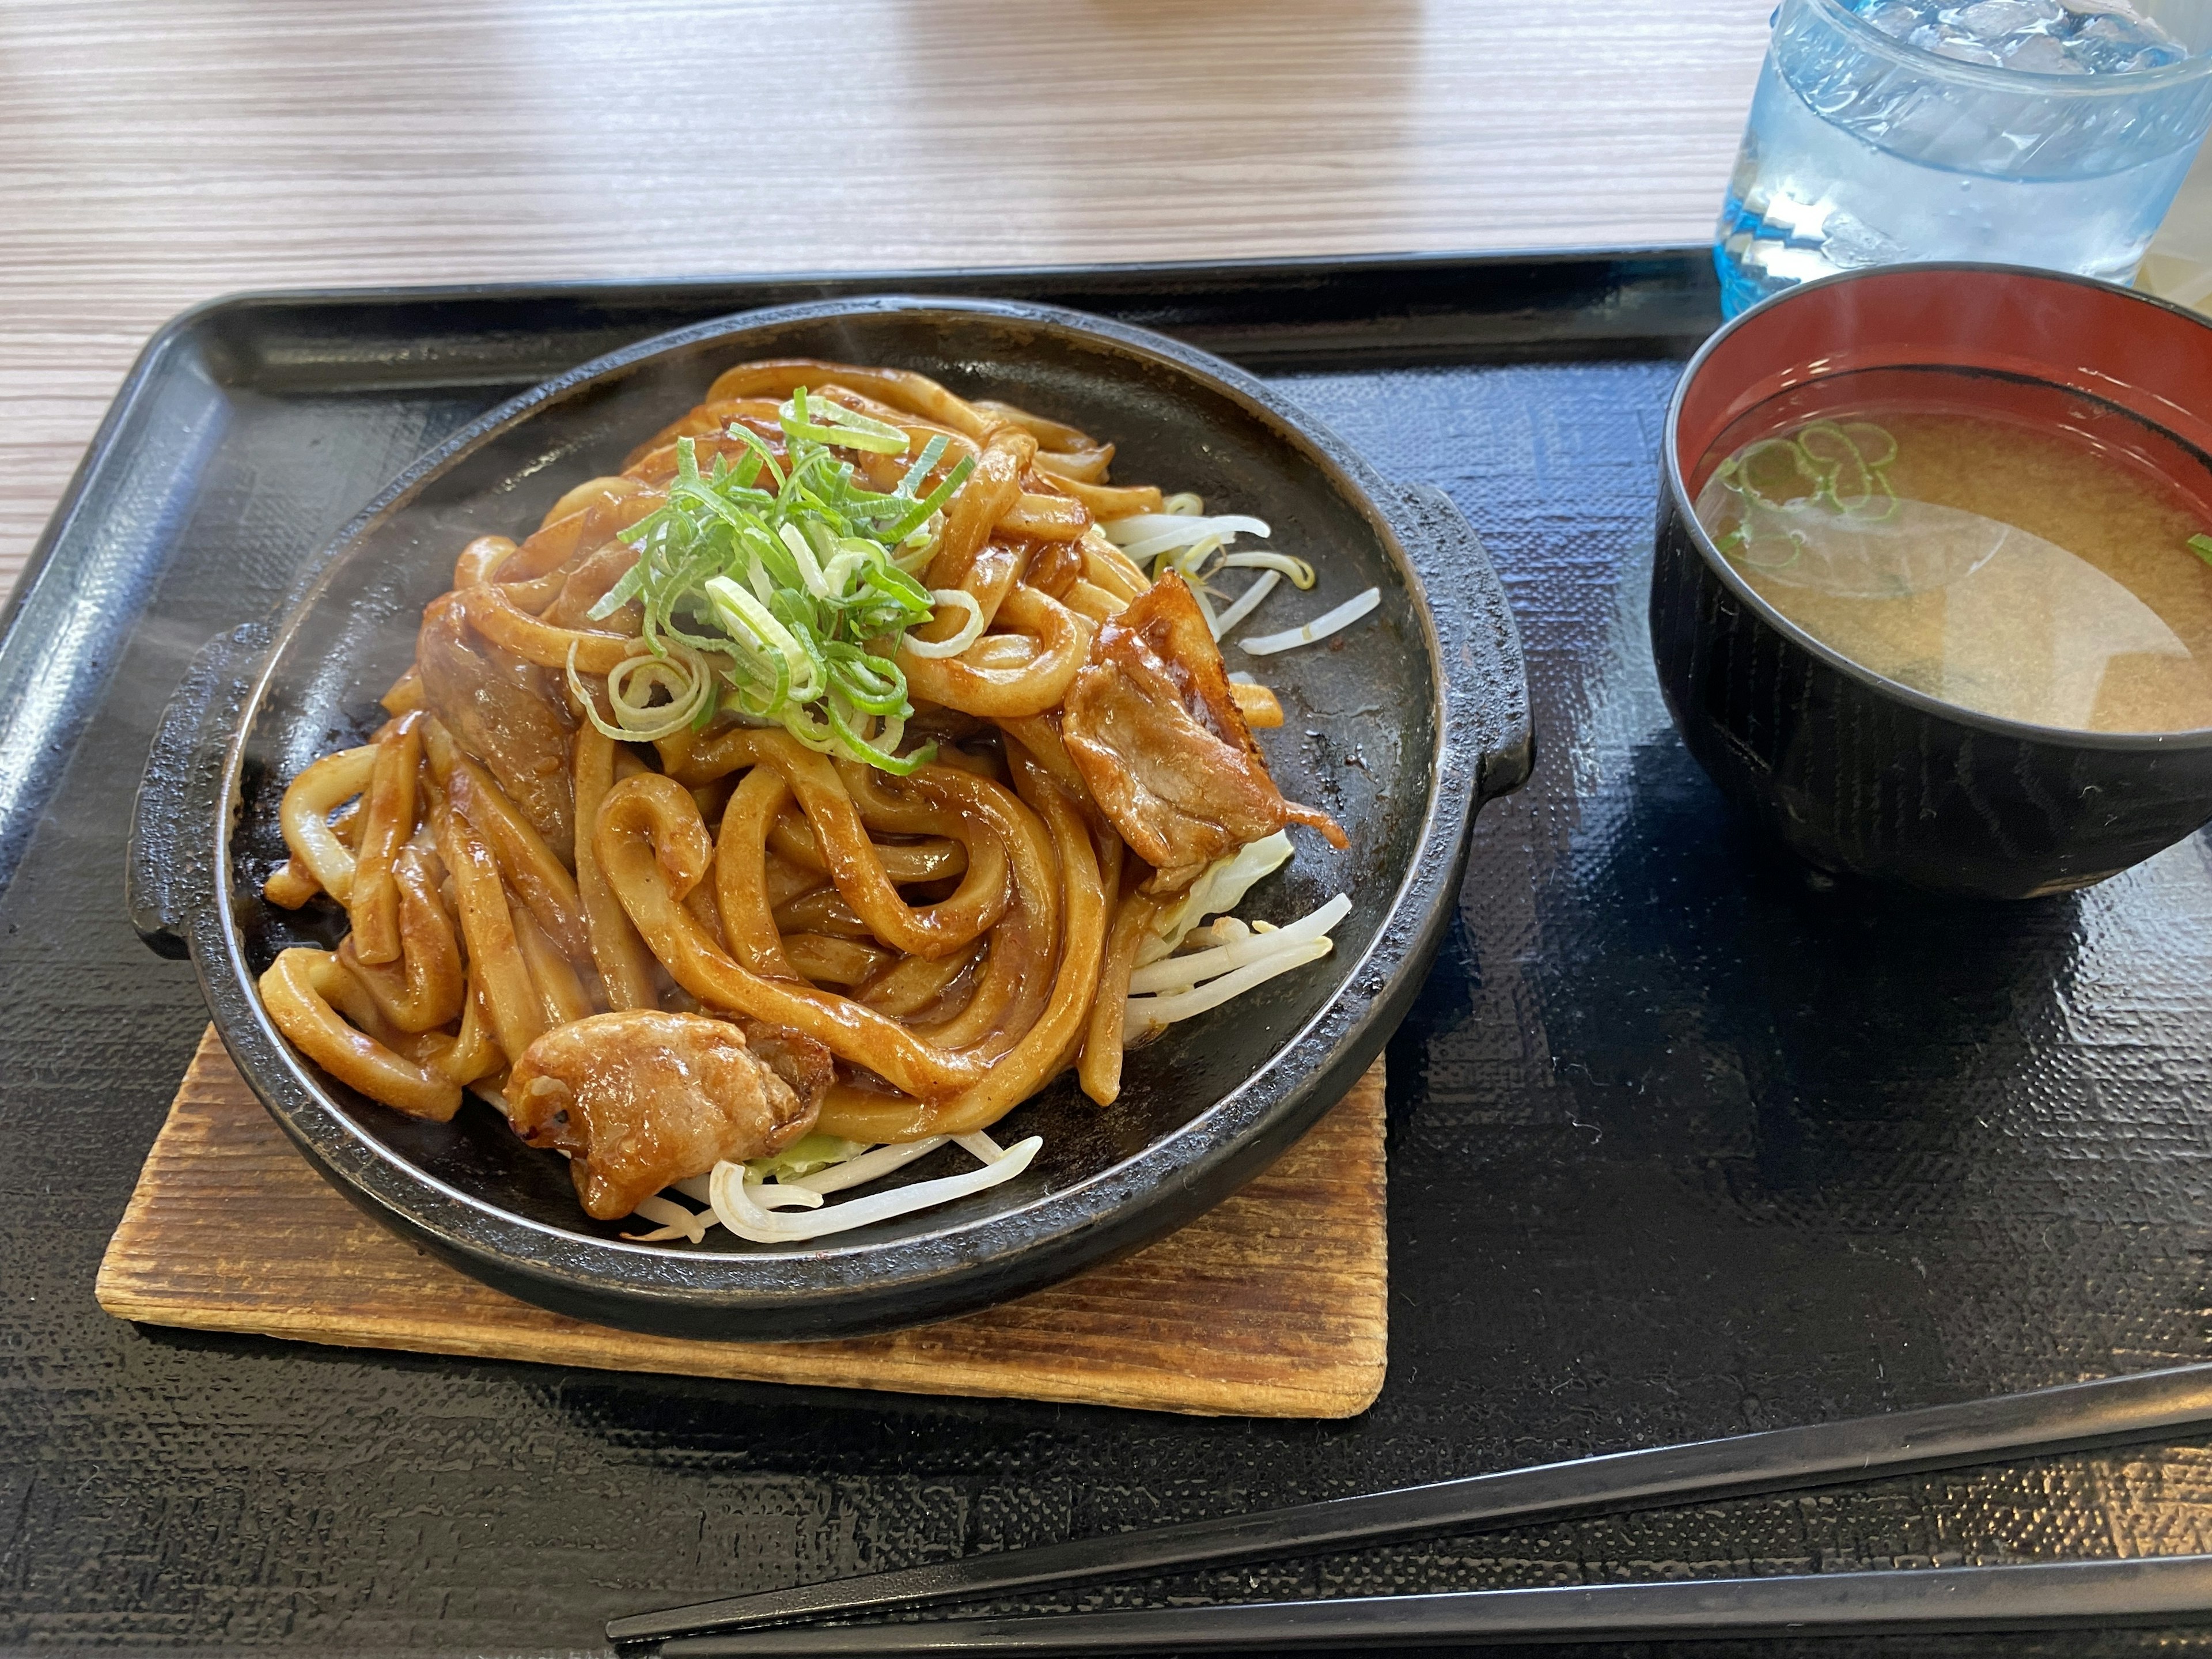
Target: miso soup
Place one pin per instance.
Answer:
(2003, 545)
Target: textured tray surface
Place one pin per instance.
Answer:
(1678, 1146)
(1273, 1305)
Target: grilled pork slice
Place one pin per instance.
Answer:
(1151, 725)
(508, 713)
(642, 1099)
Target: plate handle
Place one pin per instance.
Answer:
(167, 865)
(1486, 677)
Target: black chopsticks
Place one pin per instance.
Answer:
(2108, 1411)
(2104, 1595)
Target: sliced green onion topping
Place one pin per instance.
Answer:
(960, 641)
(1846, 464)
(778, 589)
(831, 423)
(684, 682)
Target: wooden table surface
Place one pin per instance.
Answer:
(153, 154)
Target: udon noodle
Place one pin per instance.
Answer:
(804, 796)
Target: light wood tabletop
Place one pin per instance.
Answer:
(154, 156)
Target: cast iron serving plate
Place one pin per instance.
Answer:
(1400, 727)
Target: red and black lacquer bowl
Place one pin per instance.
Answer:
(1860, 774)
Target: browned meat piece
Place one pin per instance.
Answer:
(807, 1066)
(1151, 725)
(509, 713)
(641, 1099)
(589, 579)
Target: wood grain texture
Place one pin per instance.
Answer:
(1273, 1304)
(152, 155)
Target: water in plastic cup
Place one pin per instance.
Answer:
(2031, 132)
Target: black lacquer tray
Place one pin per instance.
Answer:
(1683, 1142)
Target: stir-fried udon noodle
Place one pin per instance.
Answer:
(801, 798)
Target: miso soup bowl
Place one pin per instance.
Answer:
(1859, 774)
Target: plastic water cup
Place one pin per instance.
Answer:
(2050, 133)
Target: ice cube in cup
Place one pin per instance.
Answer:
(2050, 133)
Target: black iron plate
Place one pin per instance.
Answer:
(1681, 1145)
(1402, 727)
